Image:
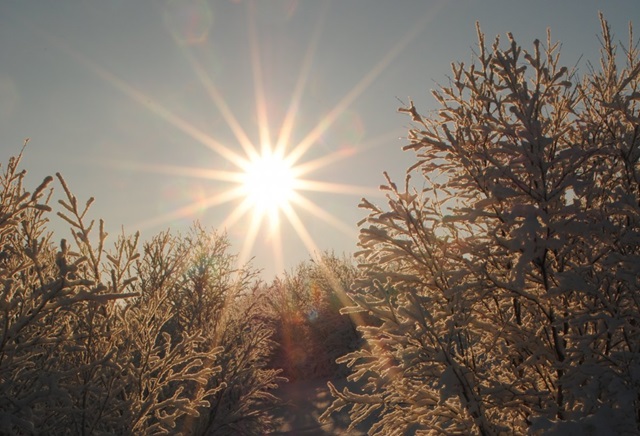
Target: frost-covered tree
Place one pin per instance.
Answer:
(228, 305)
(31, 273)
(506, 280)
(310, 331)
(53, 317)
(98, 340)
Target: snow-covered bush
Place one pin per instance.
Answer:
(117, 341)
(507, 280)
(310, 331)
(49, 349)
(229, 307)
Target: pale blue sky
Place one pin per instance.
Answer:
(106, 90)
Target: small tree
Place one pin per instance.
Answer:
(117, 341)
(55, 342)
(310, 331)
(33, 276)
(507, 286)
(211, 295)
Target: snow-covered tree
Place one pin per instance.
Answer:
(310, 331)
(228, 305)
(98, 340)
(506, 279)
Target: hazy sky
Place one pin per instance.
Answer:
(138, 102)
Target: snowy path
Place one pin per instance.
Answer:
(306, 400)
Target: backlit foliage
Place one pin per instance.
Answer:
(507, 284)
(310, 331)
(162, 339)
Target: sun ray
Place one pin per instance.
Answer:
(336, 188)
(317, 211)
(174, 120)
(304, 168)
(191, 208)
(275, 239)
(323, 161)
(326, 122)
(250, 238)
(300, 229)
(174, 170)
(150, 104)
(289, 120)
(340, 292)
(236, 214)
(261, 102)
(221, 104)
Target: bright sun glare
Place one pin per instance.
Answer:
(269, 183)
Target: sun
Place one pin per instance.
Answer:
(268, 183)
(264, 178)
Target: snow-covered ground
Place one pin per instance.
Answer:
(304, 403)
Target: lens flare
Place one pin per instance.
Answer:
(188, 20)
